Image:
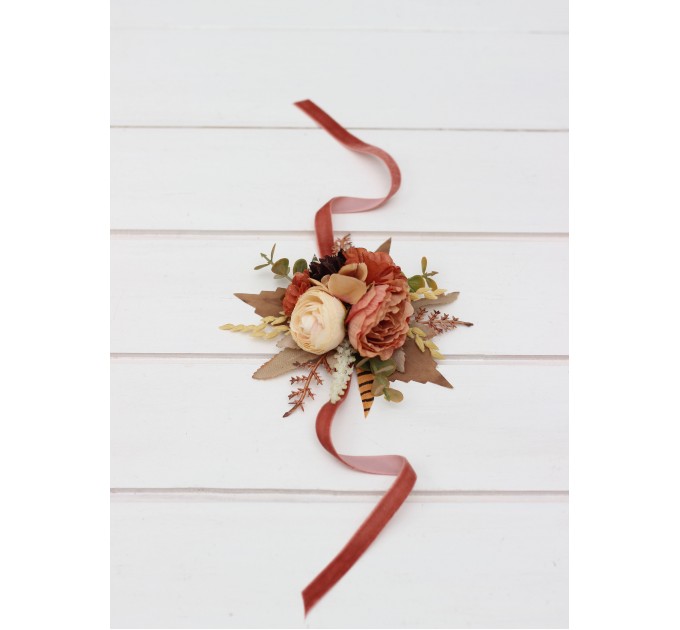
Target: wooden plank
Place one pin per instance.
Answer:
(169, 295)
(224, 179)
(243, 564)
(450, 15)
(404, 79)
(503, 427)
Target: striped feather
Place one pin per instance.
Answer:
(365, 380)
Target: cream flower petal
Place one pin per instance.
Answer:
(346, 288)
(355, 270)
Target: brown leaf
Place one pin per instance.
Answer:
(265, 303)
(399, 357)
(286, 341)
(385, 247)
(440, 300)
(287, 360)
(419, 367)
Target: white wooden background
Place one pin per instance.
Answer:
(221, 510)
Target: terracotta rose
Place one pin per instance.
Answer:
(377, 324)
(296, 288)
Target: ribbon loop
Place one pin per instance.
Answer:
(341, 205)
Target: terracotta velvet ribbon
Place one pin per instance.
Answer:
(395, 465)
(341, 205)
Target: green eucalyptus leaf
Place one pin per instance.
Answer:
(262, 266)
(281, 267)
(393, 395)
(379, 385)
(271, 256)
(431, 283)
(386, 368)
(361, 362)
(300, 265)
(415, 283)
(423, 264)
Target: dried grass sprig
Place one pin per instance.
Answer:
(420, 337)
(268, 328)
(425, 293)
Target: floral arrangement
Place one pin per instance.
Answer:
(351, 311)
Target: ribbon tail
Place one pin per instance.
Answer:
(323, 222)
(376, 520)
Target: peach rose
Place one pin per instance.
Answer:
(296, 288)
(317, 323)
(377, 324)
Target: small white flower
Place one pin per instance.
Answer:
(343, 363)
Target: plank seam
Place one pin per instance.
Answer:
(120, 233)
(449, 359)
(326, 492)
(316, 29)
(306, 128)
(308, 494)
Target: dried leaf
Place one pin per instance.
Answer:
(399, 357)
(286, 342)
(419, 367)
(265, 303)
(440, 300)
(287, 360)
(385, 247)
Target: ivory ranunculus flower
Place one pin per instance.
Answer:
(317, 323)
